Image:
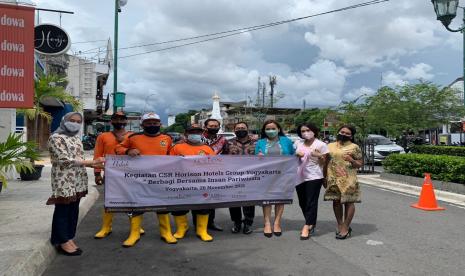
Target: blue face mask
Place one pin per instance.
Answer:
(272, 133)
(194, 138)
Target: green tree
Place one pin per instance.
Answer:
(181, 122)
(313, 115)
(413, 106)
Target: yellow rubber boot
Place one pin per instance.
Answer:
(202, 223)
(142, 231)
(106, 226)
(181, 226)
(165, 229)
(134, 235)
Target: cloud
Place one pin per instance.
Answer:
(359, 93)
(331, 50)
(420, 71)
(371, 36)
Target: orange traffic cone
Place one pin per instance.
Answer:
(427, 199)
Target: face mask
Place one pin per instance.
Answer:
(73, 127)
(343, 138)
(194, 138)
(241, 133)
(152, 129)
(308, 135)
(271, 133)
(213, 130)
(118, 126)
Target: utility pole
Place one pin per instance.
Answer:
(115, 59)
(263, 94)
(257, 102)
(304, 103)
(272, 84)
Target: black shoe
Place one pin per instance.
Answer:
(215, 227)
(60, 250)
(247, 229)
(278, 234)
(236, 228)
(268, 235)
(312, 231)
(343, 237)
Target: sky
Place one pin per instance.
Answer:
(323, 60)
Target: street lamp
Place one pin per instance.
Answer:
(118, 5)
(446, 10)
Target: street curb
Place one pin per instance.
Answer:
(376, 181)
(38, 260)
(418, 181)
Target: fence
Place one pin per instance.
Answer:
(368, 152)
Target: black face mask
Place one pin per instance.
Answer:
(241, 133)
(118, 126)
(213, 131)
(343, 138)
(152, 129)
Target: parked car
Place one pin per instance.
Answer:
(383, 147)
(175, 136)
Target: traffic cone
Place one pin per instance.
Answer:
(427, 199)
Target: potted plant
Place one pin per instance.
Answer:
(16, 154)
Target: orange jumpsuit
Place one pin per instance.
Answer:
(184, 149)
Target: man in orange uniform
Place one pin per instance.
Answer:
(193, 146)
(148, 142)
(106, 144)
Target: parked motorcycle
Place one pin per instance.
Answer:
(88, 141)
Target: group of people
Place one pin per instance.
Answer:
(332, 166)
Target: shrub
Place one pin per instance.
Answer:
(439, 150)
(441, 167)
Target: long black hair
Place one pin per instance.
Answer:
(267, 122)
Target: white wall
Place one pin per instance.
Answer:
(7, 122)
(82, 81)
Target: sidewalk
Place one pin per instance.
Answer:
(26, 222)
(376, 181)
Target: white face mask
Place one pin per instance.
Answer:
(73, 127)
(308, 135)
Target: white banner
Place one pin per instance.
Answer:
(168, 183)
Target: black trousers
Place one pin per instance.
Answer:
(236, 214)
(64, 223)
(211, 216)
(308, 193)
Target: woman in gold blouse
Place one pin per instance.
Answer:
(342, 185)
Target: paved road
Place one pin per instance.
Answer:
(389, 238)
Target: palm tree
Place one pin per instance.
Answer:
(49, 86)
(16, 154)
